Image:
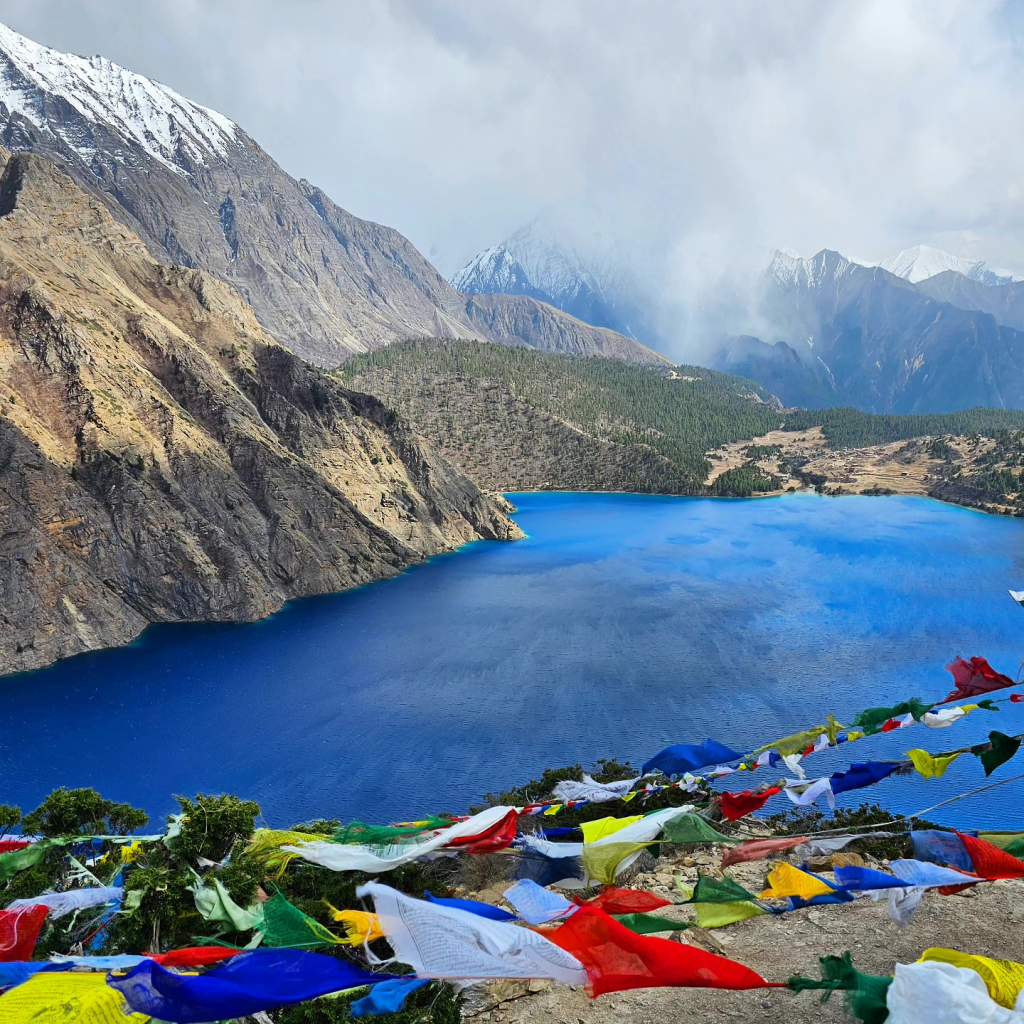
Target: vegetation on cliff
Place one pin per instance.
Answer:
(517, 419)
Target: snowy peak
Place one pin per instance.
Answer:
(495, 270)
(914, 265)
(922, 261)
(36, 81)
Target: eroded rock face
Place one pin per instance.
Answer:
(163, 459)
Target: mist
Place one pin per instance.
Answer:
(688, 138)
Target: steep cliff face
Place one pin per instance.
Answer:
(162, 458)
(202, 194)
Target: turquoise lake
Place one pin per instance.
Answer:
(622, 624)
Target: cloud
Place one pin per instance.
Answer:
(689, 133)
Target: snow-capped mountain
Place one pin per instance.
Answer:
(922, 262)
(201, 193)
(36, 82)
(539, 260)
(919, 263)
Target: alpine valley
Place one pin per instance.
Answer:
(220, 391)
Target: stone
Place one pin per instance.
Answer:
(848, 860)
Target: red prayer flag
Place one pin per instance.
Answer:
(889, 725)
(19, 930)
(975, 677)
(11, 845)
(991, 862)
(497, 837)
(758, 849)
(194, 956)
(616, 958)
(1017, 698)
(625, 901)
(737, 805)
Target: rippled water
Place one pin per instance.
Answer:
(624, 623)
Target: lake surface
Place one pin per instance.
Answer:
(622, 624)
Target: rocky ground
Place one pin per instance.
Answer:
(988, 920)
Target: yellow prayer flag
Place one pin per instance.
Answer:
(553, 809)
(601, 860)
(629, 796)
(855, 734)
(718, 915)
(594, 830)
(1003, 978)
(359, 925)
(930, 767)
(66, 998)
(786, 880)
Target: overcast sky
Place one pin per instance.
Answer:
(694, 128)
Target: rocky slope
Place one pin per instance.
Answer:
(162, 458)
(202, 194)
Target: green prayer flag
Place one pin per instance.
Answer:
(1002, 749)
(865, 994)
(692, 828)
(215, 904)
(285, 926)
(28, 857)
(718, 890)
(1016, 849)
(360, 833)
(648, 924)
(872, 720)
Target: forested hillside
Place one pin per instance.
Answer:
(517, 419)
(851, 428)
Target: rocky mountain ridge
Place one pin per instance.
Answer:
(202, 194)
(163, 459)
(867, 338)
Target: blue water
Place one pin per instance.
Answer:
(624, 623)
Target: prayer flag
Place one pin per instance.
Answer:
(649, 924)
(718, 890)
(537, 905)
(626, 901)
(617, 959)
(686, 757)
(19, 929)
(596, 792)
(861, 774)
(786, 880)
(473, 907)
(360, 927)
(757, 849)
(603, 861)
(601, 827)
(536, 866)
(260, 979)
(1002, 749)
(692, 828)
(973, 678)
(718, 915)
(1004, 979)
(71, 998)
(738, 805)
(989, 861)
(442, 942)
(387, 997)
(941, 848)
(930, 767)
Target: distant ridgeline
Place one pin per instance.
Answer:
(519, 419)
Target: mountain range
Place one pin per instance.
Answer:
(920, 331)
(202, 194)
